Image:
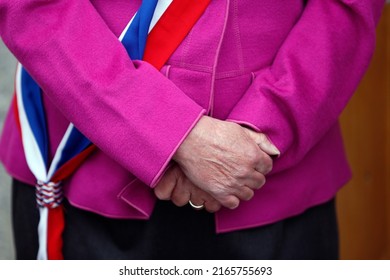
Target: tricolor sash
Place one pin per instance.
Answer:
(153, 34)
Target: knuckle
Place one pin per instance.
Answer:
(242, 172)
(217, 207)
(231, 203)
(161, 195)
(234, 205)
(259, 181)
(178, 200)
(214, 210)
(265, 166)
(213, 207)
(249, 195)
(262, 182)
(254, 158)
(179, 203)
(245, 194)
(268, 165)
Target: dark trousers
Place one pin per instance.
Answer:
(176, 233)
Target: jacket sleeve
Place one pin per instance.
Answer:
(300, 96)
(127, 108)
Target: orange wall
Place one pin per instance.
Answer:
(364, 204)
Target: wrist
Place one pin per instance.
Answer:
(193, 138)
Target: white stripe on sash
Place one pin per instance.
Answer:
(61, 146)
(162, 6)
(33, 154)
(42, 233)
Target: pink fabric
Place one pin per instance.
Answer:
(284, 68)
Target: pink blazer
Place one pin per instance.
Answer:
(285, 68)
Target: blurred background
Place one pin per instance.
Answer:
(363, 205)
(7, 69)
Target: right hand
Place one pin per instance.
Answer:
(223, 159)
(175, 186)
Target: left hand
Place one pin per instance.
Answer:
(222, 159)
(175, 186)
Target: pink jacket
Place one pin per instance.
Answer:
(285, 68)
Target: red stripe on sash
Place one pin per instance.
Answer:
(56, 221)
(55, 227)
(171, 29)
(71, 165)
(16, 113)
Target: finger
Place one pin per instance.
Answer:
(201, 197)
(244, 193)
(264, 163)
(263, 142)
(255, 181)
(266, 145)
(212, 205)
(196, 202)
(229, 201)
(198, 196)
(181, 193)
(165, 187)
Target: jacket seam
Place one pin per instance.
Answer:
(216, 59)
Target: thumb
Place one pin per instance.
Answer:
(263, 142)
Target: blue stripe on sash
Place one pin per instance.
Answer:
(76, 143)
(135, 39)
(33, 105)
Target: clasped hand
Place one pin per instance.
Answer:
(218, 164)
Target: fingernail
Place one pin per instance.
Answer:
(275, 151)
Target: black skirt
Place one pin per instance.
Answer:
(175, 233)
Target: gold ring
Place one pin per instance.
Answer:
(197, 207)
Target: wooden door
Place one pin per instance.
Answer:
(364, 204)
